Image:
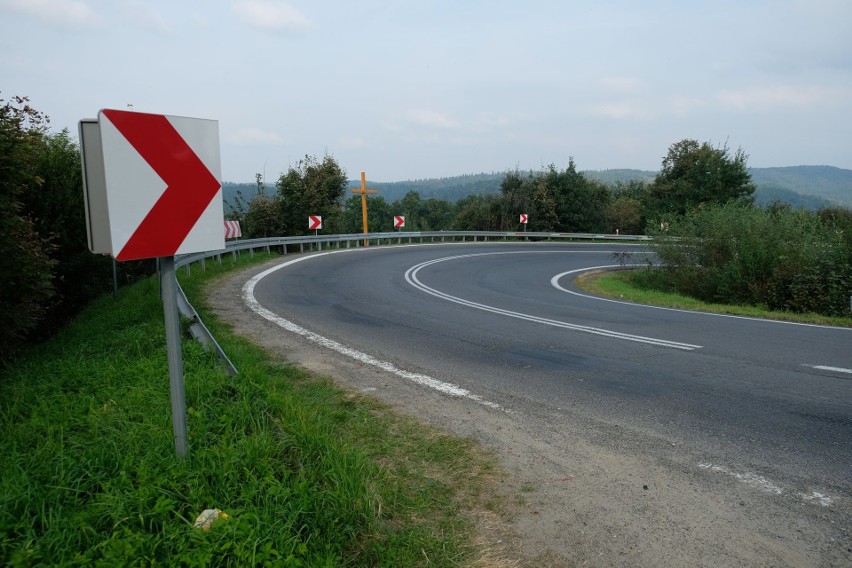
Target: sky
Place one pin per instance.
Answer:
(423, 89)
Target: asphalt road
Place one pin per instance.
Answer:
(764, 403)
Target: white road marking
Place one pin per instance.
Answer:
(418, 378)
(814, 497)
(832, 369)
(750, 479)
(411, 277)
(555, 283)
(759, 482)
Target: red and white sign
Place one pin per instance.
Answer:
(163, 184)
(314, 222)
(232, 230)
(524, 218)
(398, 221)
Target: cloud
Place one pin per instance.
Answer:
(781, 96)
(271, 15)
(431, 119)
(73, 14)
(681, 105)
(145, 16)
(352, 143)
(255, 137)
(622, 110)
(625, 85)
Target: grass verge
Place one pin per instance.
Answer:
(308, 474)
(630, 285)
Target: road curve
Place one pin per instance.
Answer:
(736, 406)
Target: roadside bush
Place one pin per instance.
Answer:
(776, 257)
(26, 280)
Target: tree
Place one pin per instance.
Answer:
(543, 216)
(411, 207)
(435, 214)
(311, 188)
(26, 280)
(516, 194)
(263, 218)
(625, 216)
(58, 213)
(694, 174)
(479, 213)
(580, 202)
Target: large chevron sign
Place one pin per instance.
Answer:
(162, 178)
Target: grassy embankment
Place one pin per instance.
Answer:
(310, 475)
(632, 286)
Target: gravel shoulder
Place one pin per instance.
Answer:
(581, 492)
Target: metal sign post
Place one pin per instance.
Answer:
(172, 319)
(152, 189)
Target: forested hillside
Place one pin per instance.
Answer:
(808, 187)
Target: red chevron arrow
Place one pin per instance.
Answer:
(190, 185)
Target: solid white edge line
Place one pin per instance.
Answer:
(555, 282)
(759, 482)
(418, 378)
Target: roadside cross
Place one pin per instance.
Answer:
(364, 191)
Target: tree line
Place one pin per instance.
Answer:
(563, 200)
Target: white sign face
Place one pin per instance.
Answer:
(163, 184)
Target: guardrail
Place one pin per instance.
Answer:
(315, 242)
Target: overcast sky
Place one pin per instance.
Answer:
(416, 89)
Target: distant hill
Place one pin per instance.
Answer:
(810, 187)
(827, 182)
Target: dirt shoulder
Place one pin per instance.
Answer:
(578, 492)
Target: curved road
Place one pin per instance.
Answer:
(740, 408)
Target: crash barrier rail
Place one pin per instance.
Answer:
(315, 243)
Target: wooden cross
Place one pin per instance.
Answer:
(364, 191)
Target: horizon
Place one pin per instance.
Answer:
(405, 90)
(358, 179)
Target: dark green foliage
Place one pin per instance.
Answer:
(379, 216)
(311, 188)
(26, 278)
(695, 174)
(581, 203)
(780, 258)
(56, 206)
(479, 213)
(263, 218)
(624, 215)
(554, 201)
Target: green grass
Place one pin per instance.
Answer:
(633, 286)
(309, 474)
